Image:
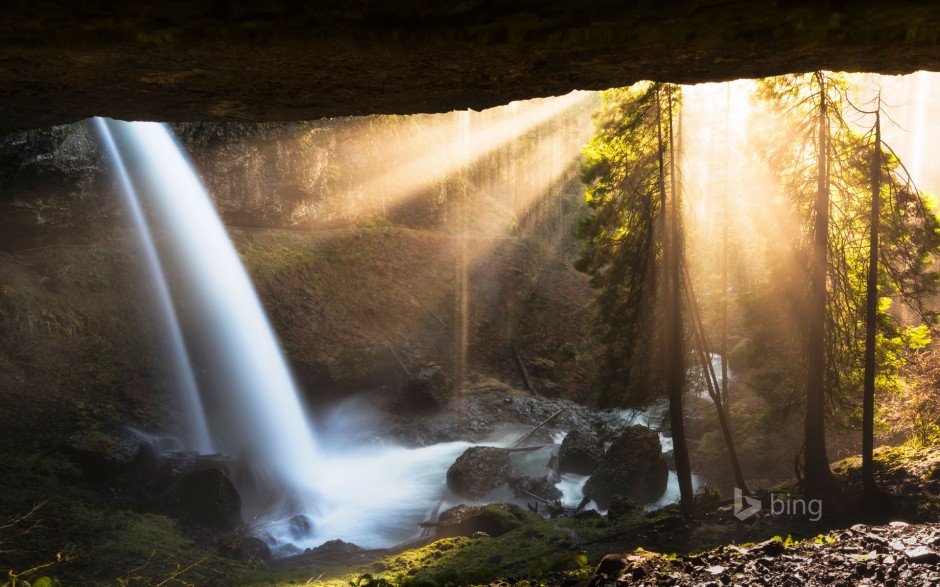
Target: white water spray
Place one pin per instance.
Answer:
(196, 428)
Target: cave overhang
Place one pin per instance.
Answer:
(269, 61)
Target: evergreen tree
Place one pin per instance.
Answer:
(633, 253)
(826, 170)
(623, 243)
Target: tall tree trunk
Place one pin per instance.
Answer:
(817, 475)
(675, 355)
(871, 315)
(725, 217)
(462, 278)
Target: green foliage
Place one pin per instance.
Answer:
(622, 172)
(786, 142)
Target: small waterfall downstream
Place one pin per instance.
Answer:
(299, 488)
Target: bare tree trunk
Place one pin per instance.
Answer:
(725, 216)
(817, 475)
(871, 316)
(675, 355)
(711, 381)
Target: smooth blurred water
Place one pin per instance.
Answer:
(197, 430)
(264, 414)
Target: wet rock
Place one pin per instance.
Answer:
(539, 486)
(580, 452)
(300, 526)
(670, 456)
(479, 470)
(633, 467)
(250, 549)
(488, 403)
(494, 519)
(107, 450)
(205, 499)
(331, 553)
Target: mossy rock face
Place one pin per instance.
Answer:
(542, 367)
(494, 520)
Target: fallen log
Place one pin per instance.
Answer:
(534, 430)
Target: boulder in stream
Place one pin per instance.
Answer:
(633, 467)
(479, 470)
(580, 453)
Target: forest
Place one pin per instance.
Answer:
(657, 335)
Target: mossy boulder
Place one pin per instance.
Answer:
(107, 450)
(479, 470)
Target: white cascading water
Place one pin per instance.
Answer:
(197, 431)
(364, 492)
(263, 417)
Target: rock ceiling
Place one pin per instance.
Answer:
(176, 60)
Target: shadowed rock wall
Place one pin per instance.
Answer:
(233, 60)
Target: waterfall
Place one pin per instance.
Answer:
(197, 431)
(260, 414)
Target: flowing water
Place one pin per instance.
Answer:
(197, 430)
(299, 488)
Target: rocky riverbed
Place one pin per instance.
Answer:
(894, 555)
